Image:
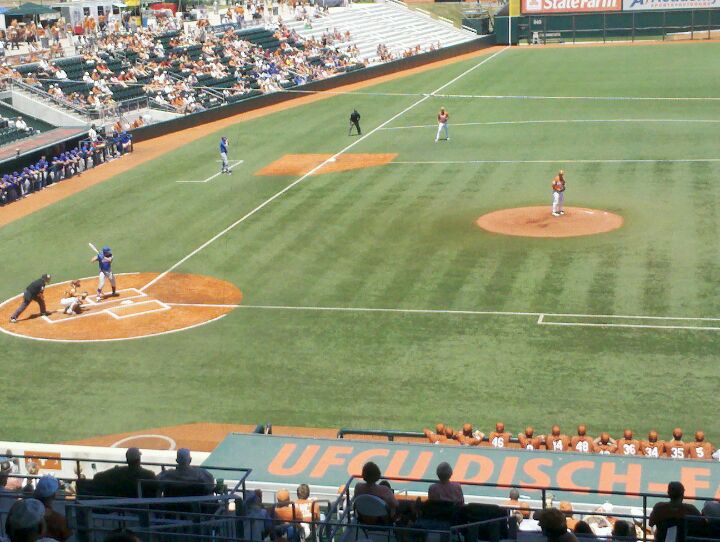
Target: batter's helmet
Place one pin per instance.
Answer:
(106, 249)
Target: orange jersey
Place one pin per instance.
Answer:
(652, 449)
(558, 184)
(677, 449)
(530, 443)
(701, 450)
(605, 449)
(469, 440)
(560, 443)
(70, 292)
(499, 440)
(583, 445)
(628, 447)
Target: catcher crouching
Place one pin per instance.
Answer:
(72, 300)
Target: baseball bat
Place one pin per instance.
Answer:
(94, 249)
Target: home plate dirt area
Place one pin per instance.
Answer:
(175, 302)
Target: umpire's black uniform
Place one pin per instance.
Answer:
(355, 121)
(34, 292)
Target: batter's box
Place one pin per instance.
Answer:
(130, 310)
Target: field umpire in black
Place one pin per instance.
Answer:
(34, 292)
(355, 121)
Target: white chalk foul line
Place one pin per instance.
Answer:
(314, 170)
(557, 121)
(233, 164)
(557, 161)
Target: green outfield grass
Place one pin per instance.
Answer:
(402, 236)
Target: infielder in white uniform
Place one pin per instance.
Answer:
(72, 300)
(104, 260)
(442, 124)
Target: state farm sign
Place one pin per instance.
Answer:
(570, 6)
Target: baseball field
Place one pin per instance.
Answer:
(355, 287)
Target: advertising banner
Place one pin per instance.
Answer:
(638, 5)
(295, 460)
(537, 7)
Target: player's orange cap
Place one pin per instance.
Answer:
(699, 436)
(604, 437)
(677, 433)
(555, 430)
(467, 429)
(449, 432)
(499, 427)
(628, 434)
(582, 430)
(529, 431)
(652, 436)
(439, 428)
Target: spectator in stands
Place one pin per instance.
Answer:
(566, 508)
(652, 447)
(285, 510)
(55, 523)
(130, 481)
(676, 448)
(701, 448)
(528, 440)
(554, 526)
(604, 444)
(186, 480)
(623, 531)
(444, 489)
(671, 513)
(371, 475)
(528, 524)
(583, 531)
(628, 445)
(513, 501)
(499, 438)
(711, 512)
(22, 126)
(309, 508)
(261, 525)
(25, 523)
(582, 442)
(556, 441)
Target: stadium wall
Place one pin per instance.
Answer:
(629, 24)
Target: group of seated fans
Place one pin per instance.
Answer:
(88, 154)
(582, 442)
(184, 69)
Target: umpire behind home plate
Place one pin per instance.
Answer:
(34, 292)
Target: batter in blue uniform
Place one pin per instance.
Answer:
(224, 155)
(104, 260)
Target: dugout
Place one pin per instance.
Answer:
(609, 26)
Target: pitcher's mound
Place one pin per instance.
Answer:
(539, 222)
(300, 164)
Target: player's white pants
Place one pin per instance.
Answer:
(101, 280)
(70, 303)
(223, 156)
(442, 126)
(558, 200)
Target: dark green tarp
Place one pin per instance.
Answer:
(29, 8)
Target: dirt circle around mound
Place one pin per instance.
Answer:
(141, 308)
(539, 222)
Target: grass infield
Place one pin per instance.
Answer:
(403, 236)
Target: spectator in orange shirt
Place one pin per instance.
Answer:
(628, 445)
(604, 444)
(285, 510)
(528, 440)
(582, 442)
(652, 447)
(676, 448)
(556, 441)
(309, 508)
(701, 448)
(499, 438)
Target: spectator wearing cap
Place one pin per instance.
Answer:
(371, 475)
(55, 523)
(285, 510)
(554, 526)
(444, 489)
(671, 513)
(566, 508)
(130, 481)
(25, 522)
(186, 480)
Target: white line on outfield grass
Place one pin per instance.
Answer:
(558, 121)
(236, 163)
(313, 170)
(558, 161)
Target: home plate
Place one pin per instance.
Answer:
(127, 302)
